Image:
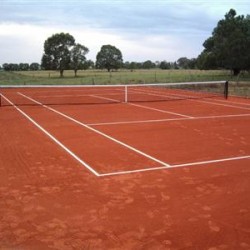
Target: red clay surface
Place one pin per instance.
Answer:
(177, 142)
(48, 200)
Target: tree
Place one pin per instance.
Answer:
(11, 66)
(6, 67)
(78, 58)
(109, 57)
(57, 52)
(34, 66)
(148, 64)
(88, 64)
(192, 64)
(183, 63)
(165, 65)
(24, 66)
(126, 65)
(229, 45)
(207, 61)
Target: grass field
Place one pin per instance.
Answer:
(240, 85)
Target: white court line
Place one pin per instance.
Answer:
(228, 101)
(220, 104)
(160, 110)
(167, 120)
(191, 164)
(97, 131)
(145, 107)
(211, 161)
(105, 98)
(78, 95)
(53, 138)
(166, 166)
(134, 171)
(210, 102)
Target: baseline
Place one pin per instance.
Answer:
(190, 164)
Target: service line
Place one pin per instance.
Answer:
(168, 120)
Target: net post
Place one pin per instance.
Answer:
(0, 99)
(226, 90)
(126, 93)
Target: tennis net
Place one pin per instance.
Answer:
(104, 94)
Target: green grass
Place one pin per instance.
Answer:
(240, 84)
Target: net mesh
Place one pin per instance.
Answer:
(104, 94)
(176, 91)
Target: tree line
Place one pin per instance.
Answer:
(181, 63)
(21, 66)
(227, 48)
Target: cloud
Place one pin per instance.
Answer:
(142, 29)
(156, 16)
(24, 43)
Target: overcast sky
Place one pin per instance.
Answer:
(153, 30)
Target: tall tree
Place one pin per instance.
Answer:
(78, 59)
(109, 57)
(57, 52)
(229, 45)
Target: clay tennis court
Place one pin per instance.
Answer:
(108, 174)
